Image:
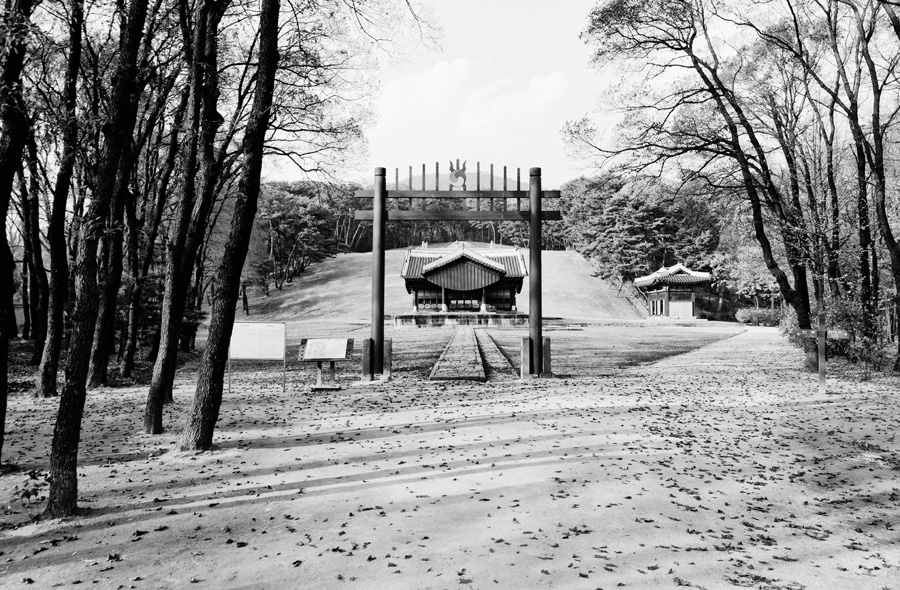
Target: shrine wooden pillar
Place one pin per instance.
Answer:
(379, 210)
(535, 316)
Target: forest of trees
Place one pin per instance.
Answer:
(785, 111)
(631, 226)
(133, 137)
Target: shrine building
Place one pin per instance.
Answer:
(464, 277)
(671, 291)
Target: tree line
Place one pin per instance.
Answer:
(790, 109)
(131, 155)
(301, 223)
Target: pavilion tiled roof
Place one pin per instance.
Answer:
(505, 259)
(677, 274)
(462, 252)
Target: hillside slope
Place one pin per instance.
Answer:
(341, 288)
(571, 292)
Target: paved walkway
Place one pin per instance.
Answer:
(461, 360)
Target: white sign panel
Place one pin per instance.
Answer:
(258, 341)
(325, 349)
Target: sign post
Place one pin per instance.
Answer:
(328, 350)
(821, 334)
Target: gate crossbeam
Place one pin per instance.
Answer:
(398, 215)
(457, 194)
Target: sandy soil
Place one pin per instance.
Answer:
(716, 468)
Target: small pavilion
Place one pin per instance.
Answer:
(671, 291)
(464, 277)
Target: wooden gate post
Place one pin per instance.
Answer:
(378, 222)
(822, 351)
(535, 316)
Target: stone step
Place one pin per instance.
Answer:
(497, 365)
(460, 359)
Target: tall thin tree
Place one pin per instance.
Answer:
(204, 412)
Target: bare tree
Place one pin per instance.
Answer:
(14, 124)
(703, 122)
(204, 411)
(56, 238)
(63, 493)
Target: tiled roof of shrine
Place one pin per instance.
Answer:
(677, 274)
(506, 259)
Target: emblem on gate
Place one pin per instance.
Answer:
(457, 176)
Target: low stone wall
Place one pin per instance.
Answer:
(440, 320)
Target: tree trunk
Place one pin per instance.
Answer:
(14, 125)
(4, 388)
(38, 283)
(152, 231)
(133, 297)
(63, 495)
(201, 421)
(104, 330)
(153, 351)
(26, 301)
(56, 228)
(67, 433)
(190, 227)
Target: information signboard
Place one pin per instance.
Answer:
(327, 349)
(258, 341)
(321, 350)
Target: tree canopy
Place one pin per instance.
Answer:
(631, 226)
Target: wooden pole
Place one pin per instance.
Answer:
(535, 317)
(378, 207)
(821, 338)
(505, 207)
(519, 187)
(491, 200)
(478, 185)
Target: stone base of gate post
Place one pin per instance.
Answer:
(525, 367)
(387, 361)
(368, 363)
(548, 371)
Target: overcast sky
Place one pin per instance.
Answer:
(507, 76)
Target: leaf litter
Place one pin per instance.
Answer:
(714, 468)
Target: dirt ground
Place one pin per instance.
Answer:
(720, 467)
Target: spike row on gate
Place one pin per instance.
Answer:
(437, 187)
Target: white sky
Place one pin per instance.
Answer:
(507, 76)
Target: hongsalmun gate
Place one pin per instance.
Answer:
(462, 282)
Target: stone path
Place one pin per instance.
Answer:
(497, 365)
(461, 359)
